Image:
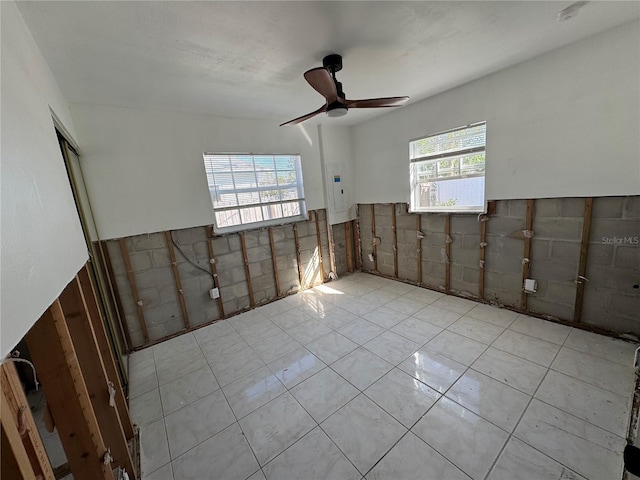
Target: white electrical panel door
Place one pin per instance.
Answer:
(337, 189)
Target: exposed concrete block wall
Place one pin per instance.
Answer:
(611, 297)
(340, 248)
(156, 286)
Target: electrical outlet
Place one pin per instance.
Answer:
(214, 293)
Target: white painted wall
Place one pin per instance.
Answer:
(41, 238)
(144, 168)
(337, 158)
(561, 125)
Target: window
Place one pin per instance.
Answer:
(249, 191)
(447, 171)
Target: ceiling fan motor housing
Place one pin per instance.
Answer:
(332, 62)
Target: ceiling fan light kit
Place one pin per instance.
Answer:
(323, 80)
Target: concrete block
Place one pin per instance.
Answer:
(565, 251)
(220, 246)
(540, 249)
(615, 232)
(252, 238)
(553, 271)
(201, 252)
(154, 278)
(608, 207)
(436, 254)
(471, 275)
(497, 262)
(558, 228)
(625, 256)
(625, 305)
(465, 224)
(311, 228)
(544, 307)
(455, 272)
(406, 222)
(161, 258)
(632, 208)
(502, 208)
(465, 257)
(234, 243)
(234, 291)
(433, 223)
(382, 210)
(561, 293)
(547, 207)
(601, 254)
(471, 241)
(436, 239)
(257, 254)
(117, 262)
(230, 260)
(464, 287)
(149, 296)
(504, 226)
(572, 207)
(140, 261)
(517, 208)
(309, 243)
(148, 242)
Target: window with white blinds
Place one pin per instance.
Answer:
(447, 170)
(249, 191)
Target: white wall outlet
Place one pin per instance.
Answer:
(530, 286)
(214, 293)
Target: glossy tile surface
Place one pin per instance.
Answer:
(367, 378)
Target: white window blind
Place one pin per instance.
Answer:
(248, 191)
(447, 170)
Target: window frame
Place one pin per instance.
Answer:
(299, 186)
(453, 154)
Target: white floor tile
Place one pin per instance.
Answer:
(363, 432)
(252, 391)
(273, 347)
(454, 304)
(146, 408)
(154, 449)
(218, 348)
(385, 317)
(416, 330)
(584, 448)
(424, 295)
(527, 347)
(163, 473)
(336, 318)
(535, 327)
(361, 367)
(405, 305)
(360, 331)
(226, 455)
(392, 347)
(189, 388)
(236, 365)
(313, 457)
(331, 347)
(290, 318)
(412, 459)
(454, 346)
(196, 422)
(464, 438)
(431, 368)
(492, 400)
(437, 316)
(309, 331)
(296, 366)
(402, 396)
(275, 426)
(180, 364)
(174, 347)
(211, 332)
(324, 393)
(611, 349)
(496, 316)
(476, 330)
(514, 371)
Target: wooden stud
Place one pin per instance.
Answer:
(321, 263)
(526, 263)
(105, 349)
(176, 277)
(134, 289)
(276, 277)
(15, 404)
(483, 251)
(245, 259)
(584, 251)
(356, 243)
(15, 460)
(54, 356)
(300, 267)
(349, 241)
(214, 270)
(331, 244)
(419, 246)
(93, 370)
(447, 249)
(124, 326)
(374, 247)
(491, 207)
(395, 240)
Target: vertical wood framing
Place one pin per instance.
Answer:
(331, 247)
(300, 267)
(134, 289)
(320, 261)
(214, 272)
(395, 240)
(105, 350)
(15, 460)
(276, 277)
(526, 262)
(14, 404)
(483, 241)
(54, 355)
(124, 326)
(349, 243)
(247, 273)
(177, 279)
(419, 246)
(92, 367)
(356, 243)
(447, 249)
(374, 247)
(584, 251)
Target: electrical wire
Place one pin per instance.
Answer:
(213, 277)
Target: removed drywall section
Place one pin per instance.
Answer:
(613, 265)
(340, 248)
(406, 242)
(465, 254)
(241, 286)
(434, 258)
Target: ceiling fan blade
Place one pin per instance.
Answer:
(377, 102)
(301, 119)
(322, 81)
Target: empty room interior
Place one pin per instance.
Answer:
(316, 240)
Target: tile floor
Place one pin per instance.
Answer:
(370, 378)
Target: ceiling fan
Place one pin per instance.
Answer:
(323, 80)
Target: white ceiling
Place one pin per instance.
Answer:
(246, 59)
